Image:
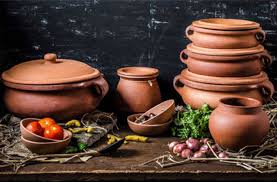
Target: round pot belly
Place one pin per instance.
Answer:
(61, 105)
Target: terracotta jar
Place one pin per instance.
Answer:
(51, 87)
(225, 33)
(197, 90)
(137, 89)
(238, 122)
(225, 65)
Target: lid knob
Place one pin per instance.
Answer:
(50, 57)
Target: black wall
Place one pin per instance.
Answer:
(116, 33)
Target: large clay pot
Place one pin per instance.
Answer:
(197, 90)
(224, 39)
(225, 66)
(51, 87)
(137, 89)
(238, 122)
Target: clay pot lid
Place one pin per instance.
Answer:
(225, 24)
(248, 80)
(138, 72)
(50, 70)
(225, 52)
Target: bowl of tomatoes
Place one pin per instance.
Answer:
(44, 135)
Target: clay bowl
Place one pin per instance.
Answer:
(48, 147)
(163, 113)
(146, 129)
(27, 135)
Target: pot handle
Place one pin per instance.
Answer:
(177, 79)
(267, 89)
(101, 85)
(265, 59)
(183, 56)
(189, 31)
(260, 36)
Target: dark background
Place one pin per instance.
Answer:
(116, 33)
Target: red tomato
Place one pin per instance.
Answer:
(54, 132)
(45, 122)
(35, 127)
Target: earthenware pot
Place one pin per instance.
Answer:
(137, 89)
(226, 66)
(51, 87)
(48, 147)
(197, 90)
(147, 129)
(225, 39)
(238, 122)
(162, 113)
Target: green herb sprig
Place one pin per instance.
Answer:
(192, 123)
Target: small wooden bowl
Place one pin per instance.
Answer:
(32, 136)
(147, 129)
(163, 113)
(48, 147)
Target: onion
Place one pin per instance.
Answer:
(186, 153)
(215, 148)
(177, 149)
(193, 144)
(172, 144)
(199, 154)
(205, 140)
(204, 148)
(223, 155)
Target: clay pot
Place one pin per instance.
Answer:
(162, 112)
(137, 89)
(48, 147)
(227, 39)
(28, 135)
(147, 129)
(197, 90)
(58, 88)
(238, 122)
(225, 66)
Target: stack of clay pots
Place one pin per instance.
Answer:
(225, 59)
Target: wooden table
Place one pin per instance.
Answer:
(122, 165)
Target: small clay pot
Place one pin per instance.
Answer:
(227, 39)
(226, 66)
(48, 147)
(28, 135)
(238, 122)
(147, 129)
(162, 113)
(137, 89)
(197, 90)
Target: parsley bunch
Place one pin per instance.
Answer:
(192, 123)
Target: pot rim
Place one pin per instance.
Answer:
(51, 87)
(226, 24)
(225, 32)
(238, 81)
(138, 72)
(252, 103)
(225, 52)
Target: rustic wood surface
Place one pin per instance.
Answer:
(123, 165)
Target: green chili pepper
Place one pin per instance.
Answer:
(82, 146)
